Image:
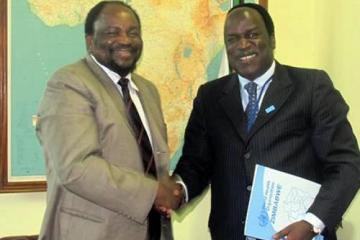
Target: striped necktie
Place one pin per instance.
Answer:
(252, 107)
(154, 231)
(138, 127)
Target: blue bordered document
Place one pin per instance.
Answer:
(277, 199)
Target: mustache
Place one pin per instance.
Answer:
(118, 47)
(240, 53)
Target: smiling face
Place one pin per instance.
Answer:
(248, 44)
(116, 42)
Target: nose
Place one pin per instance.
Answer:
(123, 39)
(243, 43)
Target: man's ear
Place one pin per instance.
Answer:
(272, 42)
(89, 43)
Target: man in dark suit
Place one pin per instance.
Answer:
(104, 139)
(291, 119)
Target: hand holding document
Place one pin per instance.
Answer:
(277, 199)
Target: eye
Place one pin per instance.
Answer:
(253, 35)
(111, 32)
(134, 32)
(231, 39)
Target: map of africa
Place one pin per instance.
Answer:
(297, 203)
(183, 48)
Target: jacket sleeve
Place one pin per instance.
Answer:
(68, 131)
(335, 145)
(194, 164)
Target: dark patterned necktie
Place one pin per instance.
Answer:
(138, 127)
(252, 107)
(154, 231)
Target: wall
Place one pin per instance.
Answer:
(322, 34)
(325, 34)
(21, 213)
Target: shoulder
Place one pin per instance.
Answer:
(143, 82)
(73, 70)
(146, 86)
(217, 86)
(306, 79)
(75, 66)
(301, 73)
(77, 77)
(222, 81)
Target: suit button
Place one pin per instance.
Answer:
(247, 155)
(249, 188)
(242, 222)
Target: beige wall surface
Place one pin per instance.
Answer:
(325, 34)
(321, 34)
(21, 213)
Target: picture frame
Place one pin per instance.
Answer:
(25, 184)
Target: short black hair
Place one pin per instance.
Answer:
(262, 11)
(95, 11)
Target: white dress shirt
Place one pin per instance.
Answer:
(263, 83)
(133, 90)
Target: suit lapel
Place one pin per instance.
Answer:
(110, 88)
(154, 118)
(232, 105)
(149, 106)
(276, 95)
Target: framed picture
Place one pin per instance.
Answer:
(9, 183)
(41, 37)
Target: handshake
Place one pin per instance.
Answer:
(169, 196)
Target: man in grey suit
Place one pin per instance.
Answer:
(104, 139)
(287, 118)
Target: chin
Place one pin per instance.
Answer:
(249, 71)
(123, 69)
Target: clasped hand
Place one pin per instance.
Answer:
(169, 196)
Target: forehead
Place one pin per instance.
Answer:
(243, 18)
(117, 14)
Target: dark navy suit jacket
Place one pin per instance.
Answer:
(301, 128)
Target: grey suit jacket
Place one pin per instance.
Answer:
(301, 128)
(96, 184)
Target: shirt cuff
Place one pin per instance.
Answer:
(179, 180)
(314, 220)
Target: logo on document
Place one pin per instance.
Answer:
(263, 217)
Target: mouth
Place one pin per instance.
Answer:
(247, 58)
(124, 53)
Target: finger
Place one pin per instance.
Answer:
(281, 235)
(176, 192)
(161, 209)
(164, 209)
(168, 213)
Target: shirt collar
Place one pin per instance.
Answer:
(115, 76)
(260, 81)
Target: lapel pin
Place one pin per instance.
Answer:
(270, 109)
